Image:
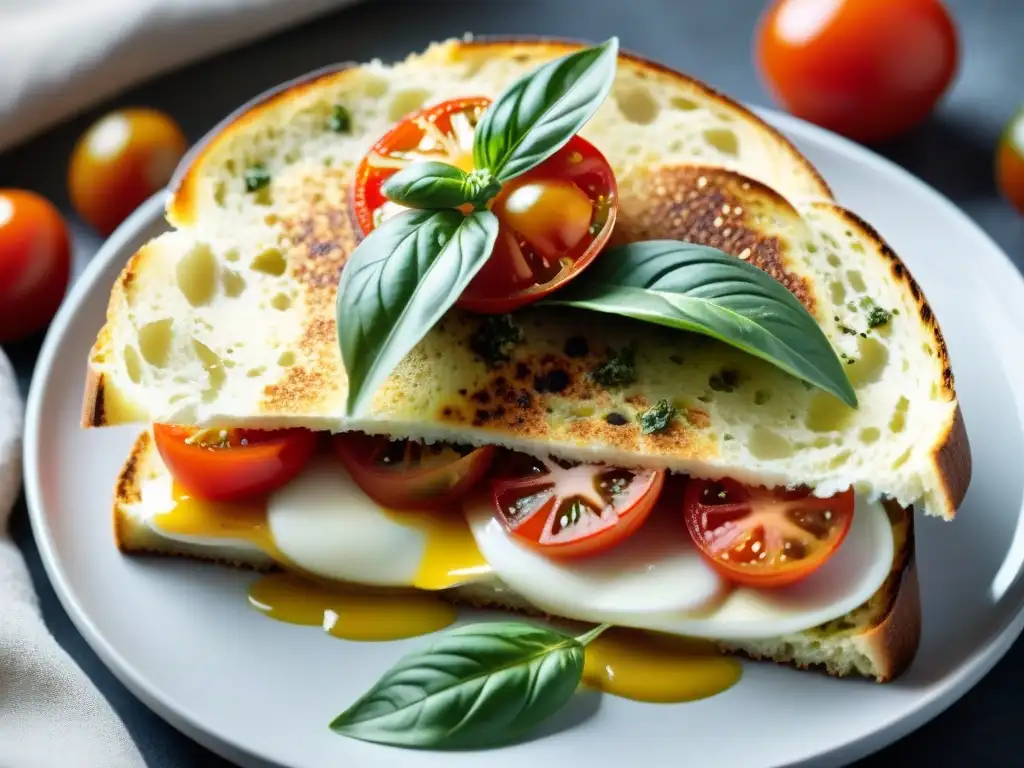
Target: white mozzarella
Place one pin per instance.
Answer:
(324, 523)
(656, 580)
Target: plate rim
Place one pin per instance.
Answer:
(851, 747)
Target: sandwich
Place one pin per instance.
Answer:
(544, 328)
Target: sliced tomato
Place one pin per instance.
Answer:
(233, 464)
(762, 537)
(555, 219)
(573, 511)
(405, 474)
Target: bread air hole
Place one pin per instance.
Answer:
(638, 106)
(270, 262)
(214, 367)
(833, 260)
(406, 101)
(683, 104)
(898, 422)
(375, 86)
(869, 435)
(838, 292)
(196, 275)
(234, 283)
(827, 413)
(856, 281)
(768, 444)
(155, 342)
(724, 140)
(287, 359)
(132, 364)
(259, 370)
(872, 357)
(281, 302)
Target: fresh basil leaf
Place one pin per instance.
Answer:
(398, 283)
(700, 289)
(541, 111)
(475, 686)
(429, 184)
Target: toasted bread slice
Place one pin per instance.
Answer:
(877, 640)
(230, 320)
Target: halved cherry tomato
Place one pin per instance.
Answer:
(233, 464)
(762, 537)
(575, 511)
(120, 161)
(554, 219)
(869, 69)
(1010, 162)
(35, 262)
(405, 474)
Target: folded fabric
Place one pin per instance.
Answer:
(60, 56)
(51, 716)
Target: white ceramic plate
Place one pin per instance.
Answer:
(181, 636)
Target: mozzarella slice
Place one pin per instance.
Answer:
(325, 524)
(656, 580)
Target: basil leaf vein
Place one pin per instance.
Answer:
(398, 283)
(538, 114)
(475, 686)
(700, 289)
(429, 184)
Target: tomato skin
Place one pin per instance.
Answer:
(119, 162)
(410, 486)
(868, 69)
(764, 538)
(35, 262)
(237, 472)
(553, 487)
(1010, 162)
(525, 266)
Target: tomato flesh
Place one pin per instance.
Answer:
(35, 263)
(405, 474)
(554, 219)
(1010, 162)
(576, 511)
(870, 69)
(764, 538)
(233, 464)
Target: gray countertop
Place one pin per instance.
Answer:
(709, 39)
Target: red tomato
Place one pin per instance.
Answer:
(35, 262)
(405, 474)
(869, 69)
(761, 537)
(574, 512)
(554, 219)
(1010, 162)
(233, 464)
(120, 161)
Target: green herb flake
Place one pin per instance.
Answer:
(847, 330)
(656, 418)
(493, 339)
(256, 177)
(341, 120)
(618, 371)
(878, 317)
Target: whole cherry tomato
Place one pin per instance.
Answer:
(869, 69)
(35, 262)
(120, 161)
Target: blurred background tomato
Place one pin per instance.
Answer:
(35, 262)
(120, 161)
(869, 69)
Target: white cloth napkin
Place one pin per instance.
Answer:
(51, 716)
(60, 56)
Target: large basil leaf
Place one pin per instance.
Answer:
(429, 184)
(398, 283)
(700, 289)
(475, 686)
(540, 112)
